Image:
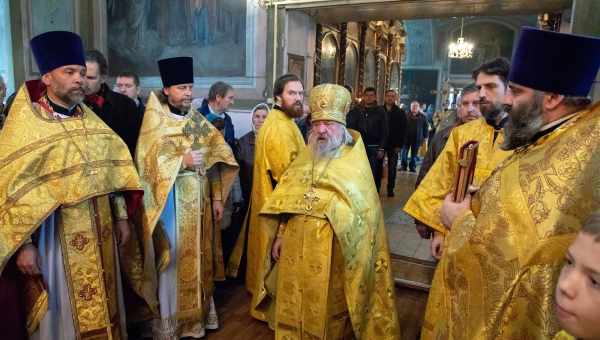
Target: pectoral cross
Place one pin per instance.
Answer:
(310, 197)
(197, 129)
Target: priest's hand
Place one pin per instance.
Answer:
(122, 232)
(276, 249)
(451, 210)
(28, 260)
(194, 159)
(218, 209)
(437, 245)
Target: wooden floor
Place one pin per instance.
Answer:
(410, 267)
(235, 322)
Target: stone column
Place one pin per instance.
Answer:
(343, 46)
(361, 58)
(318, 45)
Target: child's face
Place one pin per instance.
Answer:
(578, 289)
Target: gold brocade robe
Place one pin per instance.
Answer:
(501, 263)
(426, 201)
(343, 218)
(160, 149)
(277, 144)
(67, 167)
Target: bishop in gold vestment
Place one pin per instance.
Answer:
(278, 143)
(333, 276)
(62, 168)
(497, 275)
(181, 248)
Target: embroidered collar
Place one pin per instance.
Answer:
(54, 109)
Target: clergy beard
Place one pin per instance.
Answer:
(524, 122)
(183, 106)
(295, 110)
(491, 110)
(70, 97)
(326, 147)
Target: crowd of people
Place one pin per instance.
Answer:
(119, 213)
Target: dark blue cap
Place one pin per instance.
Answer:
(57, 48)
(555, 62)
(175, 71)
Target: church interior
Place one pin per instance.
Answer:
(425, 50)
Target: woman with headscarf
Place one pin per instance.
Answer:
(245, 156)
(245, 150)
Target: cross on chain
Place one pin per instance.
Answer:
(311, 197)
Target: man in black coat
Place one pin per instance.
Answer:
(417, 131)
(396, 126)
(116, 110)
(128, 83)
(370, 120)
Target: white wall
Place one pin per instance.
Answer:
(242, 122)
(300, 40)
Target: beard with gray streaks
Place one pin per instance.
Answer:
(326, 145)
(524, 122)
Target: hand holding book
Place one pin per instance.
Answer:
(467, 159)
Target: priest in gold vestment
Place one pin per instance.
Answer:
(187, 169)
(278, 143)
(425, 203)
(502, 258)
(65, 177)
(332, 278)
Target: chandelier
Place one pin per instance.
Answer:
(460, 49)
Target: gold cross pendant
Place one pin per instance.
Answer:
(310, 196)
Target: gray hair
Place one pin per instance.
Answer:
(332, 146)
(347, 139)
(470, 88)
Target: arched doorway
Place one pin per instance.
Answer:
(351, 67)
(370, 70)
(329, 57)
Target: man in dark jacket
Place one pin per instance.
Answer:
(220, 99)
(370, 120)
(396, 126)
(116, 110)
(417, 130)
(128, 83)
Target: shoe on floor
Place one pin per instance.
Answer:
(390, 194)
(412, 170)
